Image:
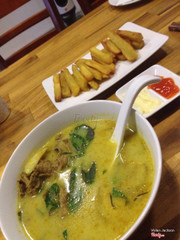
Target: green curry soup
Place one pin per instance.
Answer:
(68, 189)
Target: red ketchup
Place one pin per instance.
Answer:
(166, 88)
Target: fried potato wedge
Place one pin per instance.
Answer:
(127, 40)
(109, 52)
(74, 87)
(102, 56)
(80, 79)
(121, 57)
(66, 92)
(137, 45)
(105, 76)
(81, 61)
(103, 68)
(127, 50)
(85, 71)
(111, 66)
(93, 84)
(96, 74)
(57, 87)
(133, 36)
(109, 45)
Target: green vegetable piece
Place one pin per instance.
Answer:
(76, 192)
(72, 181)
(78, 142)
(84, 131)
(52, 198)
(117, 193)
(81, 137)
(65, 235)
(89, 176)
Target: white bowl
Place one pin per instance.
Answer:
(88, 110)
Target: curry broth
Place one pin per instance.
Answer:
(110, 204)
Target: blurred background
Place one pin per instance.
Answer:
(70, 11)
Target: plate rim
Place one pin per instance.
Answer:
(128, 2)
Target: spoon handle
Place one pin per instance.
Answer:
(134, 89)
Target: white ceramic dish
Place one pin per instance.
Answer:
(158, 71)
(117, 3)
(153, 41)
(92, 109)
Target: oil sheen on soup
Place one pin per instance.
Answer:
(69, 189)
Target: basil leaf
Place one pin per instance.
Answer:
(76, 192)
(52, 198)
(117, 193)
(85, 131)
(65, 235)
(89, 176)
(81, 138)
(78, 142)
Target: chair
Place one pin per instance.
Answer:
(49, 11)
(89, 5)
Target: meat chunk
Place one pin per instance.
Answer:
(62, 145)
(23, 183)
(61, 162)
(44, 166)
(63, 202)
(31, 184)
(35, 183)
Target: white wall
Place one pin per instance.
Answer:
(19, 15)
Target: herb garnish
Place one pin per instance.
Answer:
(81, 138)
(85, 131)
(76, 192)
(65, 235)
(89, 176)
(52, 198)
(118, 193)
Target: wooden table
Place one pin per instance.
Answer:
(21, 87)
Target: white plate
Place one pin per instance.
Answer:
(158, 71)
(122, 2)
(153, 41)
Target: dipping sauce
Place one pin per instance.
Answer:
(166, 88)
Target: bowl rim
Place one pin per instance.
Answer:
(156, 182)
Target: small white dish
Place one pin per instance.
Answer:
(158, 71)
(122, 2)
(153, 41)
